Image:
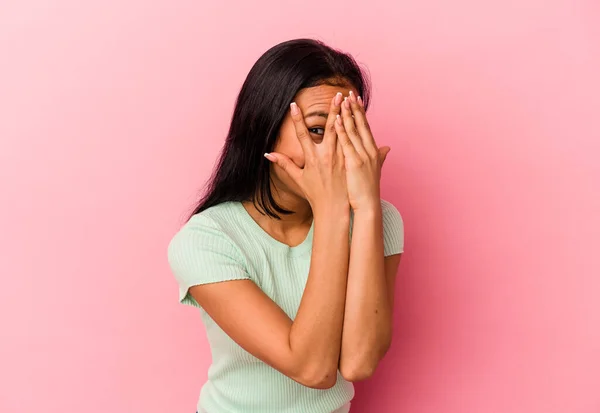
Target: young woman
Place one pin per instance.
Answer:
(291, 255)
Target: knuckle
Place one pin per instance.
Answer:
(298, 121)
(358, 163)
(331, 128)
(347, 143)
(301, 133)
(326, 160)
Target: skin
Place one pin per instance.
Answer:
(367, 329)
(321, 168)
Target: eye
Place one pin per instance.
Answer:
(312, 130)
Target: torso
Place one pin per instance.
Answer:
(236, 379)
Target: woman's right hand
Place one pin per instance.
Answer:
(323, 178)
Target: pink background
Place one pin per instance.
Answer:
(112, 114)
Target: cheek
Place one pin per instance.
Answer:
(297, 154)
(290, 146)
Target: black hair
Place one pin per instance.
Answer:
(242, 173)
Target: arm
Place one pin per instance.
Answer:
(367, 330)
(306, 349)
(367, 327)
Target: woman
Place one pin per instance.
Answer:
(292, 259)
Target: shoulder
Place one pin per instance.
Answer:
(393, 229)
(202, 252)
(206, 231)
(215, 221)
(391, 215)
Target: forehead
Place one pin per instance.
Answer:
(318, 94)
(319, 97)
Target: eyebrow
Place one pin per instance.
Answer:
(317, 113)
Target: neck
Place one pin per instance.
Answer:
(290, 228)
(302, 211)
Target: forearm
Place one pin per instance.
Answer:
(368, 314)
(316, 332)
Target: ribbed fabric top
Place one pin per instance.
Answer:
(225, 243)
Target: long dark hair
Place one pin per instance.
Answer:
(242, 173)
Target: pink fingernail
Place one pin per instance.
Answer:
(338, 99)
(294, 108)
(360, 102)
(352, 97)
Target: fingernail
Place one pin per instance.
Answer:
(338, 99)
(338, 119)
(294, 108)
(360, 102)
(346, 103)
(270, 157)
(352, 97)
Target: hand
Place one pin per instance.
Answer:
(323, 179)
(363, 160)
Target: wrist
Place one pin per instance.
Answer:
(372, 209)
(333, 212)
(339, 209)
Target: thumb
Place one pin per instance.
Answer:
(285, 163)
(383, 153)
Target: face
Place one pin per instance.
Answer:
(314, 104)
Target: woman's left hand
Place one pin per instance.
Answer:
(363, 160)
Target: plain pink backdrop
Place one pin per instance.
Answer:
(112, 114)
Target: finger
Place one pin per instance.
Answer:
(350, 127)
(383, 153)
(339, 153)
(330, 136)
(347, 147)
(308, 146)
(285, 163)
(362, 125)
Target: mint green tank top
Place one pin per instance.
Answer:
(225, 243)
